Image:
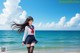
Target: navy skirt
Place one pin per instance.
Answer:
(30, 39)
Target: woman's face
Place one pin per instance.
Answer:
(30, 22)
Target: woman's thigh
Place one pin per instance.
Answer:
(28, 45)
(33, 44)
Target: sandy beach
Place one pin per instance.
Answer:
(45, 51)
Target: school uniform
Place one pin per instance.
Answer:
(29, 35)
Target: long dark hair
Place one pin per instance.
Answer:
(22, 26)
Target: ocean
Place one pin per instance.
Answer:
(46, 40)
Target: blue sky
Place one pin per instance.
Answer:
(51, 10)
(47, 11)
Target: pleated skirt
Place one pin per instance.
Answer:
(30, 39)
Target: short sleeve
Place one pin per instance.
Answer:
(25, 33)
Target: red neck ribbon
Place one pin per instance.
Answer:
(32, 30)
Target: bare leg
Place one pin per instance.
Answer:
(28, 48)
(32, 47)
(32, 44)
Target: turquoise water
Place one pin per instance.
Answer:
(46, 39)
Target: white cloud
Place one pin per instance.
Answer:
(39, 25)
(3, 19)
(73, 21)
(43, 26)
(49, 25)
(62, 24)
(12, 12)
(22, 16)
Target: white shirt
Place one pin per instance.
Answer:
(27, 31)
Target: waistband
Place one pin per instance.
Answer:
(30, 35)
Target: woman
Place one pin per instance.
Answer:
(29, 33)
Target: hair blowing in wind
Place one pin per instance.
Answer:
(21, 27)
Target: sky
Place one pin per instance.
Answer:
(47, 14)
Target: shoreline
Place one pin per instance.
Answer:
(45, 51)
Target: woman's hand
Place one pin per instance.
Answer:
(22, 44)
